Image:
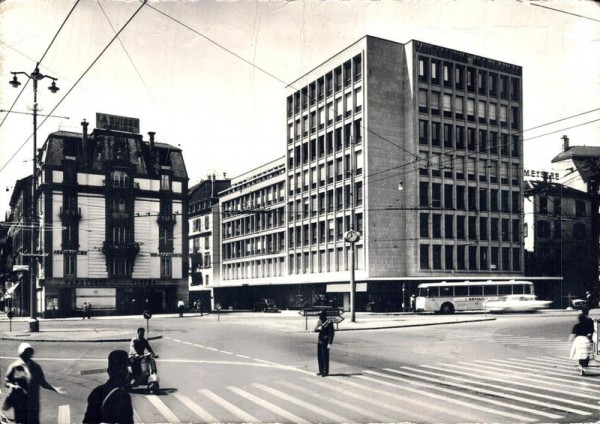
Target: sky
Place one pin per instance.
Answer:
(210, 76)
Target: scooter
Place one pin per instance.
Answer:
(148, 374)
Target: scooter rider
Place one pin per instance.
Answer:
(137, 348)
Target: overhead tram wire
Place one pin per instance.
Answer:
(39, 63)
(78, 80)
(125, 50)
(564, 11)
(266, 72)
(455, 149)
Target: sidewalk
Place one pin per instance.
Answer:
(64, 329)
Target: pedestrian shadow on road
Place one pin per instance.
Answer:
(344, 374)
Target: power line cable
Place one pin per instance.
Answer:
(38, 63)
(564, 11)
(263, 70)
(58, 32)
(77, 82)
(126, 52)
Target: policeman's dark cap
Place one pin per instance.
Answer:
(141, 330)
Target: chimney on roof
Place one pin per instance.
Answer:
(151, 135)
(84, 141)
(565, 140)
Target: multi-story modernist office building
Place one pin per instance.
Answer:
(253, 236)
(430, 139)
(415, 146)
(205, 239)
(113, 208)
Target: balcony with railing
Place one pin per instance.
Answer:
(70, 213)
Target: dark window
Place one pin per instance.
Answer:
(483, 205)
(516, 230)
(473, 266)
(460, 227)
(543, 229)
(460, 257)
(472, 228)
(483, 264)
(424, 256)
(436, 195)
(483, 230)
(579, 231)
(494, 228)
(436, 225)
(423, 136)
(423, 193)
(460, 197)
(437, 256)
(435, 133)
(424, 225)
(543, 205)
(448, 196)
(449, 260)
(449, 226)
(579, 208)
(448, 130)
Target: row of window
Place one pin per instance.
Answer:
(271, 267)
(332, 200)
(267, 244)
(448, 226)
(330, 260)
(331, 230)
(254, 222)
(468, 198)
(255, 200)
(459, 137)
(343, 107)
(331, 172)
(485, 113)
(197, 223)
(117, 267)
(544, 230)
(454, 75)
(344, 75)
(472, 258)
(580, 208)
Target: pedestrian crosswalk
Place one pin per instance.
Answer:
(519, 389)
(508, 339)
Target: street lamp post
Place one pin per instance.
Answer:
(35, 76)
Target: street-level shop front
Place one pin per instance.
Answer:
(64, 298)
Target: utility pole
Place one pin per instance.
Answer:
(35, 76)
(352, 236)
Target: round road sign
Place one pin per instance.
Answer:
(147, 314)
(10, 314)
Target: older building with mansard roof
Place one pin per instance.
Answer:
(112, 219)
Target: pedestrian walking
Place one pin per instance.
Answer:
(326, 333)
(84, 310)
(88, 310)
(110, 402)
(24, 377)
(413, 303)
(581, 347)
(180, 306)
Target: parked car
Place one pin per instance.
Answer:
(578, 303)
(264, 305)
(517, 303)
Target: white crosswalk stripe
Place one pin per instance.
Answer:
(239, 413)
(268, 405)
(508, 339)
(520, 389)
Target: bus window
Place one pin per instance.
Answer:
(461, 291)
(490, 290)
(433, 292)
(508, 289)
(475, 290)
(446, 291)
(517, 288)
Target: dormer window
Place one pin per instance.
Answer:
(165, 182)
(119, 179)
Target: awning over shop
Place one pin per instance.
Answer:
(10, 291)
(345, 288)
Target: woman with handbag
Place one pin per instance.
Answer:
(582, 346)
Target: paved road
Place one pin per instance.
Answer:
(513, 369)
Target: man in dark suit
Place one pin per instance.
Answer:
(326, 333)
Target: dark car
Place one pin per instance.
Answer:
(264, 305)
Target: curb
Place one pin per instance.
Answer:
(423, 324)
(26, 337)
